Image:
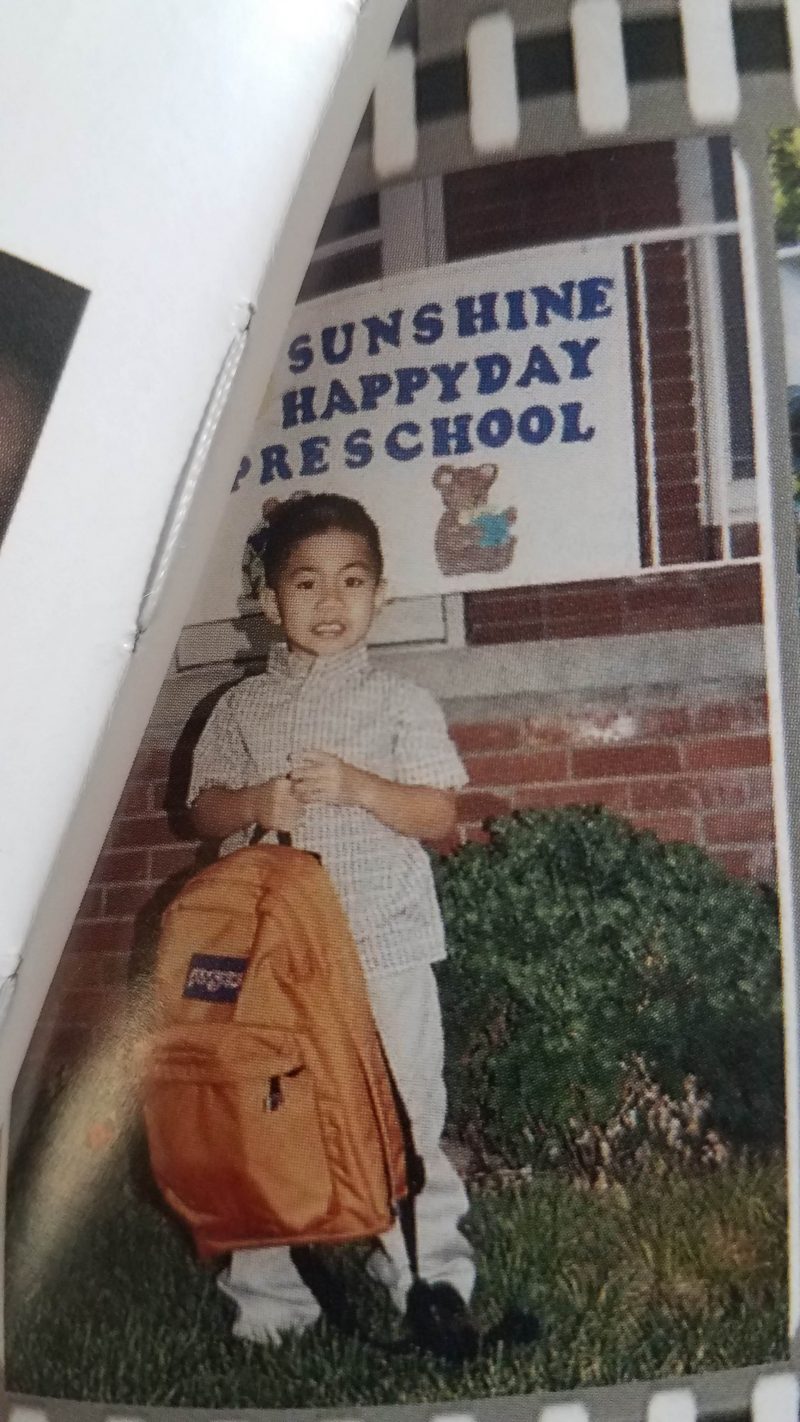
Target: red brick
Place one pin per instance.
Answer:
(734, 861)
(673, 792)
(732, 577)
(671, 358)
(668, 721)
(518, 769)
(507, 602)
(664, 591)
(756, 863)
(91, 904)
(164, 862)
(669, 826)
(474, 806)
(613, 794)
(525, 601)
(125, 900)
(714, 597)
(569, 598)
(745, 540)
(543, 734)
(486, 735)
(685, 543)
(95, 1007)
(447, 846)
(152, 763)
(523, 622)
(748, 789)
(143, 830)
(489, 634)
(725, 716)
(681, 522)
(671, 442)
(686, 546)
(94, 971)
(666, 278)
(709, 752)
(135, 799)
(676, 469)
(524, 596)
(157, 792)
(678, 495)
(763, 864)
(475, 834)
(104, 937)
(665, 257)
(667, 308)
(736, 615)
(740, 827)
(667, 619)
(642, 759)
(666, 275)
(588, 624)
(672, 417)
(675, 391)
(120, 866)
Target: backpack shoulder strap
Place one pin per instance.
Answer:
(415, 1171)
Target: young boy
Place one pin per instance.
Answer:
(357, 765)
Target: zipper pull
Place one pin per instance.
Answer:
(274, 1097)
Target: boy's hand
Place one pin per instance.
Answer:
(419, 811)
(323, 779)
(275, 806)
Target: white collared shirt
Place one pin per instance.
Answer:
(371, 719)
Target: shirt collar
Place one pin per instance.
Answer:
(340, 667)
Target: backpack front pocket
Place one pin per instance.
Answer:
(234, 1133)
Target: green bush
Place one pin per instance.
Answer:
(580, 950)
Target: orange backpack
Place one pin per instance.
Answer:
(270, 1113)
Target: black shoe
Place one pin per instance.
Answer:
(440, 1323)
(518, 1328)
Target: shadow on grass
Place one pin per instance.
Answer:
(668, 1277)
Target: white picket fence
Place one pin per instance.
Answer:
(775, 1397)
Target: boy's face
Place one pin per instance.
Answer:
(327, 595)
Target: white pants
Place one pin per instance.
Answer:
(271, 1297)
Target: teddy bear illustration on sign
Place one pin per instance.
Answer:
(473, 535)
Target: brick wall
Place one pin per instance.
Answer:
(687, 766)
(696, 771)
(682, 536)
(559, 198)
(728, 596)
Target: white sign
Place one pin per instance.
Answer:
(481, 411)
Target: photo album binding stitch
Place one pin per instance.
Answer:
(420, 1038)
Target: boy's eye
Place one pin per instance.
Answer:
(305, 583)
(354, 580)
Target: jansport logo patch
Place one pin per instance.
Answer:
(213, 978)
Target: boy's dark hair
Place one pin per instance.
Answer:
(290, 522)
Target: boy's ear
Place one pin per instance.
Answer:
(381, 596)
(269, 605)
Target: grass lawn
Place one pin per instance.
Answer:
(673, 1276)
